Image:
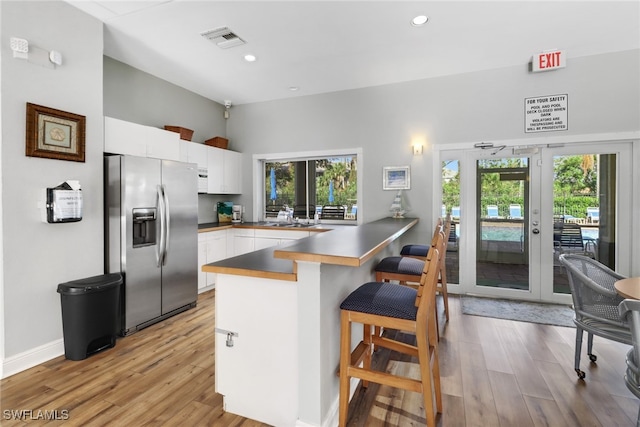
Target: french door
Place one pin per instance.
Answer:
(517, 210)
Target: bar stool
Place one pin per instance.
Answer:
(408, 268)
(402, 308)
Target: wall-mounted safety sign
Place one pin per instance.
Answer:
(546, 113)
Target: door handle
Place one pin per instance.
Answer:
(161, 218)
(535, 231)
(167, 221)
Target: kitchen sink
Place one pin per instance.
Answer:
(301, 225)
(288, 225)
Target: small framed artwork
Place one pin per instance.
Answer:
(396, 178)
(55, 134)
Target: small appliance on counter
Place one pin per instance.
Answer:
(236, 214)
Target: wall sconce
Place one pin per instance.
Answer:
(417, 149)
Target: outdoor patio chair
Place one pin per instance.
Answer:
(568, 239)
(332, 212)
(630, 312)
(492, 211)
(595, 302)
(515, 212)
(593, 215)
(271, 211)
(300, 211)
(455, 212)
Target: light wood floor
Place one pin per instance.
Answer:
(494, 373)
(160, 376)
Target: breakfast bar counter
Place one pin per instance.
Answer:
(278, 321)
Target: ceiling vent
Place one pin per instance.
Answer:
(223, 37)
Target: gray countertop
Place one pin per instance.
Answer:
(351, 246)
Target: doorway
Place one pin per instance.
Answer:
(517, 210)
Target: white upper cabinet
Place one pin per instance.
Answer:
(193, 152)
(219, 171)
(122, 137)
(225, 173)
(197, 153)
(163, 144)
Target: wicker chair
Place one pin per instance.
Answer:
(595, 302)
(630, 312)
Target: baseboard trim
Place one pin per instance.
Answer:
(28, 359)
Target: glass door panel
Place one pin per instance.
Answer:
(516, 216)
(502, 243)
(451, 206)
(584, 210)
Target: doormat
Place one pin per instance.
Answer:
(523, 311)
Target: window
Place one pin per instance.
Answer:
(326, 185)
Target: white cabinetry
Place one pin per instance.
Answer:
(122, 137)
(243, 240)
(225, 171)
(193, 152)
(212, 247)
(162, 144)
(268, 238)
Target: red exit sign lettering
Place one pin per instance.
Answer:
(546, 61)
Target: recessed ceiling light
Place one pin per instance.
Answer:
(250, 58)
(419, 20)
(293, 88)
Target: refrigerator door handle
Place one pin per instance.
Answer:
(161, 219)
(167, 221)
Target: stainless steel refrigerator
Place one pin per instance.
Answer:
(151, 236)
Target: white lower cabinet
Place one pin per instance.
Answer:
(216, 245)
(212, 247)
(243, 240)
(268, 238)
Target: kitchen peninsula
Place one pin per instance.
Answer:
(278, 322)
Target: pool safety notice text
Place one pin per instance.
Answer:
(546, 113)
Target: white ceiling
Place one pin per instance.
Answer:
(326, 46)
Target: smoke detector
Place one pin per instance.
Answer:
(223, 37)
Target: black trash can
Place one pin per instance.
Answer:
(90, 314)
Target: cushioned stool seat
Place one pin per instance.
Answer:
(407, 268)
(401, 265)
(383, 299)
(415, 250)
(377, 305)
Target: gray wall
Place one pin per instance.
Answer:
(484, 106)
(135, 96)
(38, 256)
(139, 97)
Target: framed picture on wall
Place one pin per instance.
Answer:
(55, 134)
(396, 178)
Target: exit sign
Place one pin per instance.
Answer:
(547, 61)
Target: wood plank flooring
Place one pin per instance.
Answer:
(494, 373)
(497, 372)
(160, 376)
